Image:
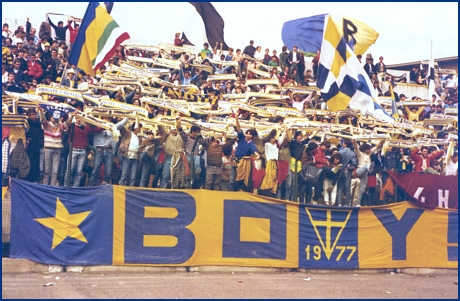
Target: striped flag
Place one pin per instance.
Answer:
(342, 79)
(97, 39)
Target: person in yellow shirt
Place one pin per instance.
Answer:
(413, 114)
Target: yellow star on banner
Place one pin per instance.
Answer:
(64, 224)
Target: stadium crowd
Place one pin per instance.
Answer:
(285, 163)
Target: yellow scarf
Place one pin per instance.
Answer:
(270, 180)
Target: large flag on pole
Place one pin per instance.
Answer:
(342, 79)
(97, 39)
(213, 23)
(307, 33)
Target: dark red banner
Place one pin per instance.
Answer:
(427, 190)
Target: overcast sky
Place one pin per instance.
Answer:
(405, 29)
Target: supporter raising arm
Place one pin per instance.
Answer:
(365, 166)
(60, 30)
(246, 147)
(413, 114)
(73, 32)
(422, 159)
(185, 78)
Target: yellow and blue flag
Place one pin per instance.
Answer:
(307, 33)
(342, 79)
(97, 39)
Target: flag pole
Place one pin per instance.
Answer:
(64, 72)
(430, 89)
(69, 156)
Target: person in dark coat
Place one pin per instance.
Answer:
(370, 68)
(35, 145)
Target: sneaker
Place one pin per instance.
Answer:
(358, 205)
(339, 205)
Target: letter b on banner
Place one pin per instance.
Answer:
(155, 227)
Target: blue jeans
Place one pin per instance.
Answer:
(291, 187)
(52, 156)
(42, 163)
(76, 167)
(232, 183)
(103, 155)
(158, 170)
(166, 176)
(62, 168)
(146, 166)
(288, 184)
(305, 189)
(128, 171)
(363, 176)
(344, 186)
(196, 162)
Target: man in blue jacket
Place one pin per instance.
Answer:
(349, 163)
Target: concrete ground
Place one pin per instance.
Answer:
(305, 285)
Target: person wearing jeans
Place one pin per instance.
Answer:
(344, 187)
(363, 153)
(104, 143)
(147, 151)
(158, 159)
(166, 174)
(215, 148)
(53, 130)
(128, 171)
(52, 157)
(77, 164)
(173, 143)
(287, 185)
(80, 133)
(192, 142)
(129, 151)
(42, 163)
(104, 155)
(349, 162)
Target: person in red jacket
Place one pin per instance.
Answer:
(34, 69)
(320, 155)
(177, 40)
(422, 159)
(73, 32)
(80, 133)
(320, 161)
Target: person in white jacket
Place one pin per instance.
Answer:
(299, 104)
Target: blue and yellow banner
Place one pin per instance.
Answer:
(120, 225)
